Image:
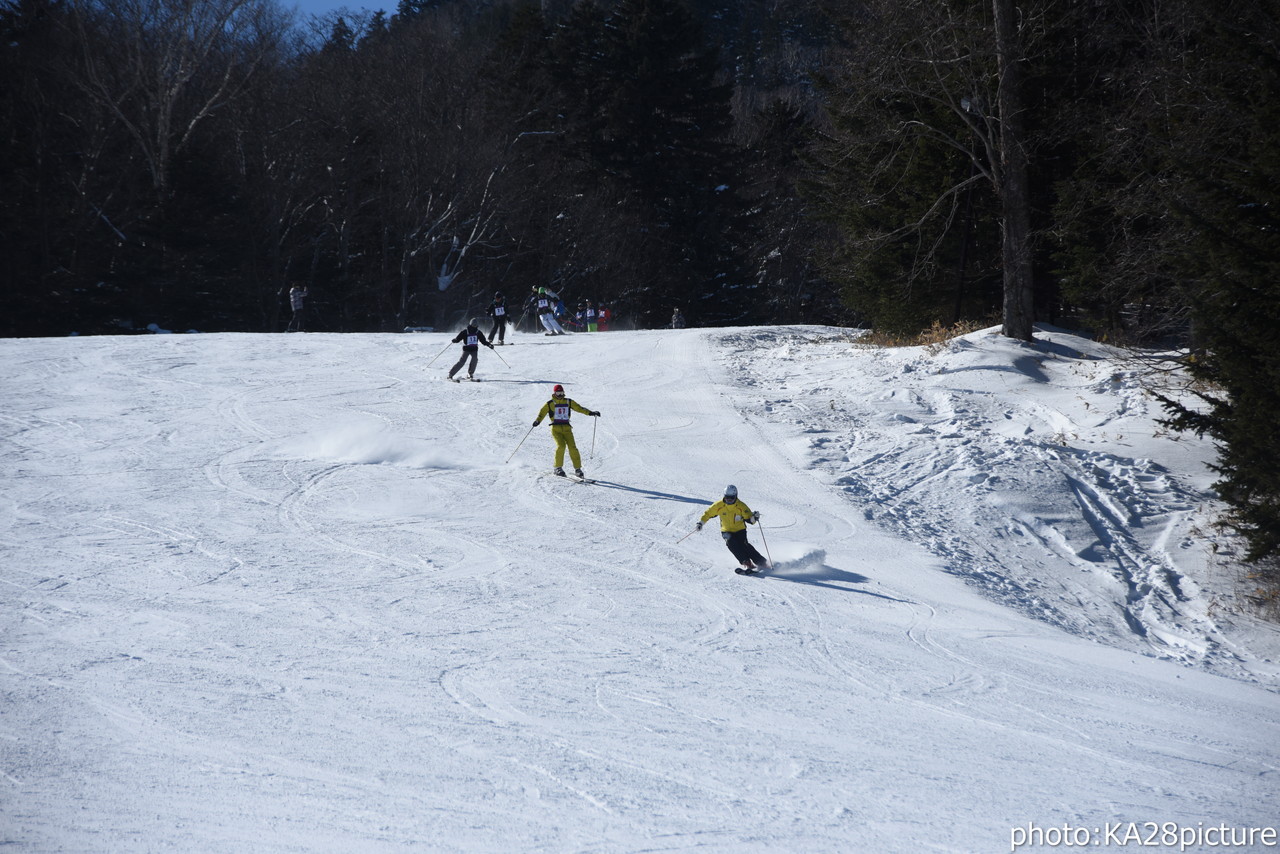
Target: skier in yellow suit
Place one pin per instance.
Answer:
(735, 515)
(558, 409)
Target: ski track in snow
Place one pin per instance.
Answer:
(284, 593)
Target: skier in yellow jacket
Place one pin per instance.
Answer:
(558, 409)
(735, 515)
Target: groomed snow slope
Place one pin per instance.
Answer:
(285, 593)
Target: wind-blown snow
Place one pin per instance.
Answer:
(286, 593)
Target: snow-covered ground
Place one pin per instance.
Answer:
(286, 593)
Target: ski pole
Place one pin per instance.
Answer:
(499, 355)
(526, 436)
(765, 540)
(592, 455)
(687, 536)
(441, 353)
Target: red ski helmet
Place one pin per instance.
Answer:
(558, 390)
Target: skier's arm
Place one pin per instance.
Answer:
(713, 510)
(580, 408)
(459, 336)
(543, 413)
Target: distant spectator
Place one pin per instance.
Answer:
(297, 296)
(677, 320)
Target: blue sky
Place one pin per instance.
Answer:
(320, 7)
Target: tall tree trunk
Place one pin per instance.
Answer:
(1015, 201)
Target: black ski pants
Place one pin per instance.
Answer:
(471, 353)
(499, 331)
(742, 550)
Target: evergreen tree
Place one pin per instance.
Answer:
(906, 172)
(1232, 202)
(785, 268)
(1112, 72)
(644, 107)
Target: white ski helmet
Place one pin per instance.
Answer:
(731, 491)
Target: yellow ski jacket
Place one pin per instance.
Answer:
(558, 410)
(733, 517)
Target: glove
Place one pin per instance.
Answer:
(536, 423)
(595, 414)
(490, 346)
(698, 527)
(755, 517)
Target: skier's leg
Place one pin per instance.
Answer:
(736, 541)
(454, 369)
(546, 323)
(573, 448)
(475, 357)
(558, 433)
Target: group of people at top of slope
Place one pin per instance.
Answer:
(544, 301)
(734, 514)
(592, 319)
(549, 308)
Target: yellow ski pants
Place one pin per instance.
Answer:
(563, 434)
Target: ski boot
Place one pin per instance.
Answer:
(559, 472)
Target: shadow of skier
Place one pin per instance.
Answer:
(821, 575)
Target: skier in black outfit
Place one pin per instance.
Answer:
(498, 311)
(471, 339)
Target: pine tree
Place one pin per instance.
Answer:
(1232, 203)
(906, 174)
(645, 108)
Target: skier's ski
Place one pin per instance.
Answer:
(573, 477)
(742, 570)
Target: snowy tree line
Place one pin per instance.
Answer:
(888, 163)
(185, 162)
